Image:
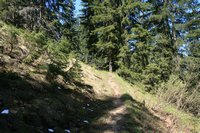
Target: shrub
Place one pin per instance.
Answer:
(176, 92)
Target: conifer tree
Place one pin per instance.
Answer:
(192, 35)
(141, 39)
(87, 27)
(133, 57)
(105, 29)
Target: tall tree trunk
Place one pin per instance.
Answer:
(42, 11)
(174, 36)
(110, 61)
(175, 47)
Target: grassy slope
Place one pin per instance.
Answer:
(36, 104)
(175, 120)
(137, 118)
(182, 121)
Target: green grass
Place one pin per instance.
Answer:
(139, 94)
(39, 105)
(185, 119)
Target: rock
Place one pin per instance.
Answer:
(6, 58)
(24, 49)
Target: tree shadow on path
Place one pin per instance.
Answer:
(35, 107)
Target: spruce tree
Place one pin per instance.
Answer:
(105, 29)
(192, 35)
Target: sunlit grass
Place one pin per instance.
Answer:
(138, 93)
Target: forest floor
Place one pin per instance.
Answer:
(98, 102)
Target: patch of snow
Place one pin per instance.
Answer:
(67, 130)
(59, 88)
(88, 104)
(91, 110)
(84, 107)
(85, 121)
(5, 111)
(51, 130)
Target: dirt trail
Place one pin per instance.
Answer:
(113, 116)
(114, 86)
(105, 85)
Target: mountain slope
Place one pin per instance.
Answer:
(98, 102)
(37, 97)
(134, 110)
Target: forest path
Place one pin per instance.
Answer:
(113, 116)
(120, 111)
(125, 107)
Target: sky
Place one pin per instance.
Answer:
(78, 7)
